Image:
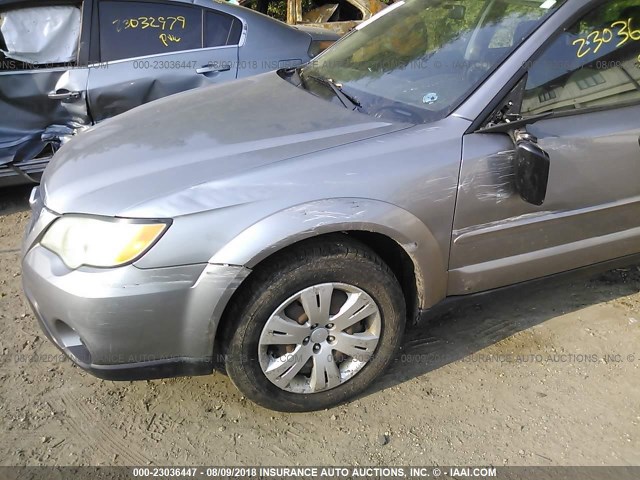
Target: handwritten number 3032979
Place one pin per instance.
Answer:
(162, 23)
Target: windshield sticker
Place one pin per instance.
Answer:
(430, 98)
(621, 31)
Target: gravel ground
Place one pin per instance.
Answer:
(546, 376)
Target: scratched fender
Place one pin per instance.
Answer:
(341, 214)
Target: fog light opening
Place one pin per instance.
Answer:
(72, 343)
(68, 336)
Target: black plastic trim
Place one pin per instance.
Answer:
(456, 301)
(178, 367)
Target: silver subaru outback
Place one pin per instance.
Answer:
(291, 224)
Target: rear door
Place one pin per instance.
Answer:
(151, 49)
(589, 78)
(43, 74)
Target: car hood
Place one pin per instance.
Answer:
(205, 136)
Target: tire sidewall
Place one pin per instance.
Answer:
(243, 364)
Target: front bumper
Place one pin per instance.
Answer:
(128, 323)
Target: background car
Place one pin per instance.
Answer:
(337, 15)
(65, 65)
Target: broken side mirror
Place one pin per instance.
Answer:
(531, 163)
(531, 168)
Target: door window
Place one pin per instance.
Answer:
(137, 29)
(39, 36)
(221, 30)
(595, 63)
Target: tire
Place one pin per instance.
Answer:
(362, 288)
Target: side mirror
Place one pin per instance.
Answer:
(531, 168)
(456, 12)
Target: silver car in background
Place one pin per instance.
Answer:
(294, 222)
(65, 65)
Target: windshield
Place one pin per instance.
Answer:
(419, 59)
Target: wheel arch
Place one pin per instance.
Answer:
(396, 235)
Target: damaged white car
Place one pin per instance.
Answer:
(66, 65)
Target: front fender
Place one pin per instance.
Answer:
(300, 222)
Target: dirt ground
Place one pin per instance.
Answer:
(542, 377)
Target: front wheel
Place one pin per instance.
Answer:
(315, 326)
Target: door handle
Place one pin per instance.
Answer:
(64, 95)
(213, 69)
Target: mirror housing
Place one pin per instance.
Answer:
(531, 169)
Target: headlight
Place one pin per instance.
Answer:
(101, 243)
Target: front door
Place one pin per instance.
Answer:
(589, 79)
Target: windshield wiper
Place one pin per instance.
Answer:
(336, 88)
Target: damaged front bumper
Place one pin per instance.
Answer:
(127, 323)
